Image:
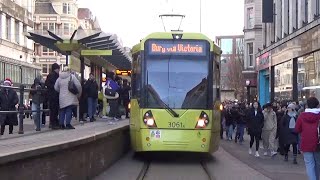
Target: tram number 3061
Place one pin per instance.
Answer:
(175, 125)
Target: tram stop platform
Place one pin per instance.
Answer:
(79, 154)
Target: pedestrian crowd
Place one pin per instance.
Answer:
(63, 93)
(282, 127)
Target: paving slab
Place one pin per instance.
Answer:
(12, 149)
(272, 167)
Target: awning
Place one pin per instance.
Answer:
(85, 40)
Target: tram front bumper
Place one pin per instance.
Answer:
(175, 140)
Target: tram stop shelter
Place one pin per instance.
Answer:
(99, 50)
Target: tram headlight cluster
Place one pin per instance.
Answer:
(148, 119)
(203, 120)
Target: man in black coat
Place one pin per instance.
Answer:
(91, 90)
(125, 96)
(8, 101)
(53, 96)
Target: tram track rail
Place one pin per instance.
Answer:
(144, 170)
(206, 170)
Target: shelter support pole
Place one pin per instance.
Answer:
(100, 76)
(67, 58)
(82, 69)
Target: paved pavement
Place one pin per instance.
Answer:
(274, 168)
(29, 128)
(31, 142)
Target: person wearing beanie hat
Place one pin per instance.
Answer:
(7, 82)
(8, 101)
(287, 132)
(53, 96)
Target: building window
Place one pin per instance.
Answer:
(239, 45)
(45, 68)
(45, 28)
(274, 23)
(280, 14)
(283, 81)
(66, 29)
(24, 37)
(250, 54)
(306, 10)
(47, 52)
(297, 17)
(8, 27)
(288, 22)
(2, 70)
(17, 32)
(250, 18)
(52, 27)
(1, 25)
(309, 76)
(317, 7)
(67, 8)
(226, 46)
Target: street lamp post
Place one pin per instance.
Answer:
(248, 90)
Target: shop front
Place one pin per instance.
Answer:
(294, 68)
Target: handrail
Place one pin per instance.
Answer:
(21, 109)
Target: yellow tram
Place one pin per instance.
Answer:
(175, 102)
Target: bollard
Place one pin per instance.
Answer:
(21, 109)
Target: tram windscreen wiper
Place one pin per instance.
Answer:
(169, 109)
(164, 105)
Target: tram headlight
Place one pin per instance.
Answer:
(150, 122)
(148, 119)
(221, 107)
(203, 120)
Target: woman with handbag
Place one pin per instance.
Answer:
(287, 132)
(307, 125)
(111, 93)
(69, 89)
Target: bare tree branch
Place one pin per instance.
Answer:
(235, 76)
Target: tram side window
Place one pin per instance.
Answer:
(216, 78)
(136, 75)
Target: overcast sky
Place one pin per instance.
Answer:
(134, 19)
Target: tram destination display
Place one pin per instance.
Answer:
(174, 47)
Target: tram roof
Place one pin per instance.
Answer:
(169, 35)
(85, 40)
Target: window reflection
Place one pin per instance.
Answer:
(283, 81)
(179, 83)
(309, 76)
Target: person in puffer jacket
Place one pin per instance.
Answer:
(67, 100)
(308, 125)
(269, 130)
